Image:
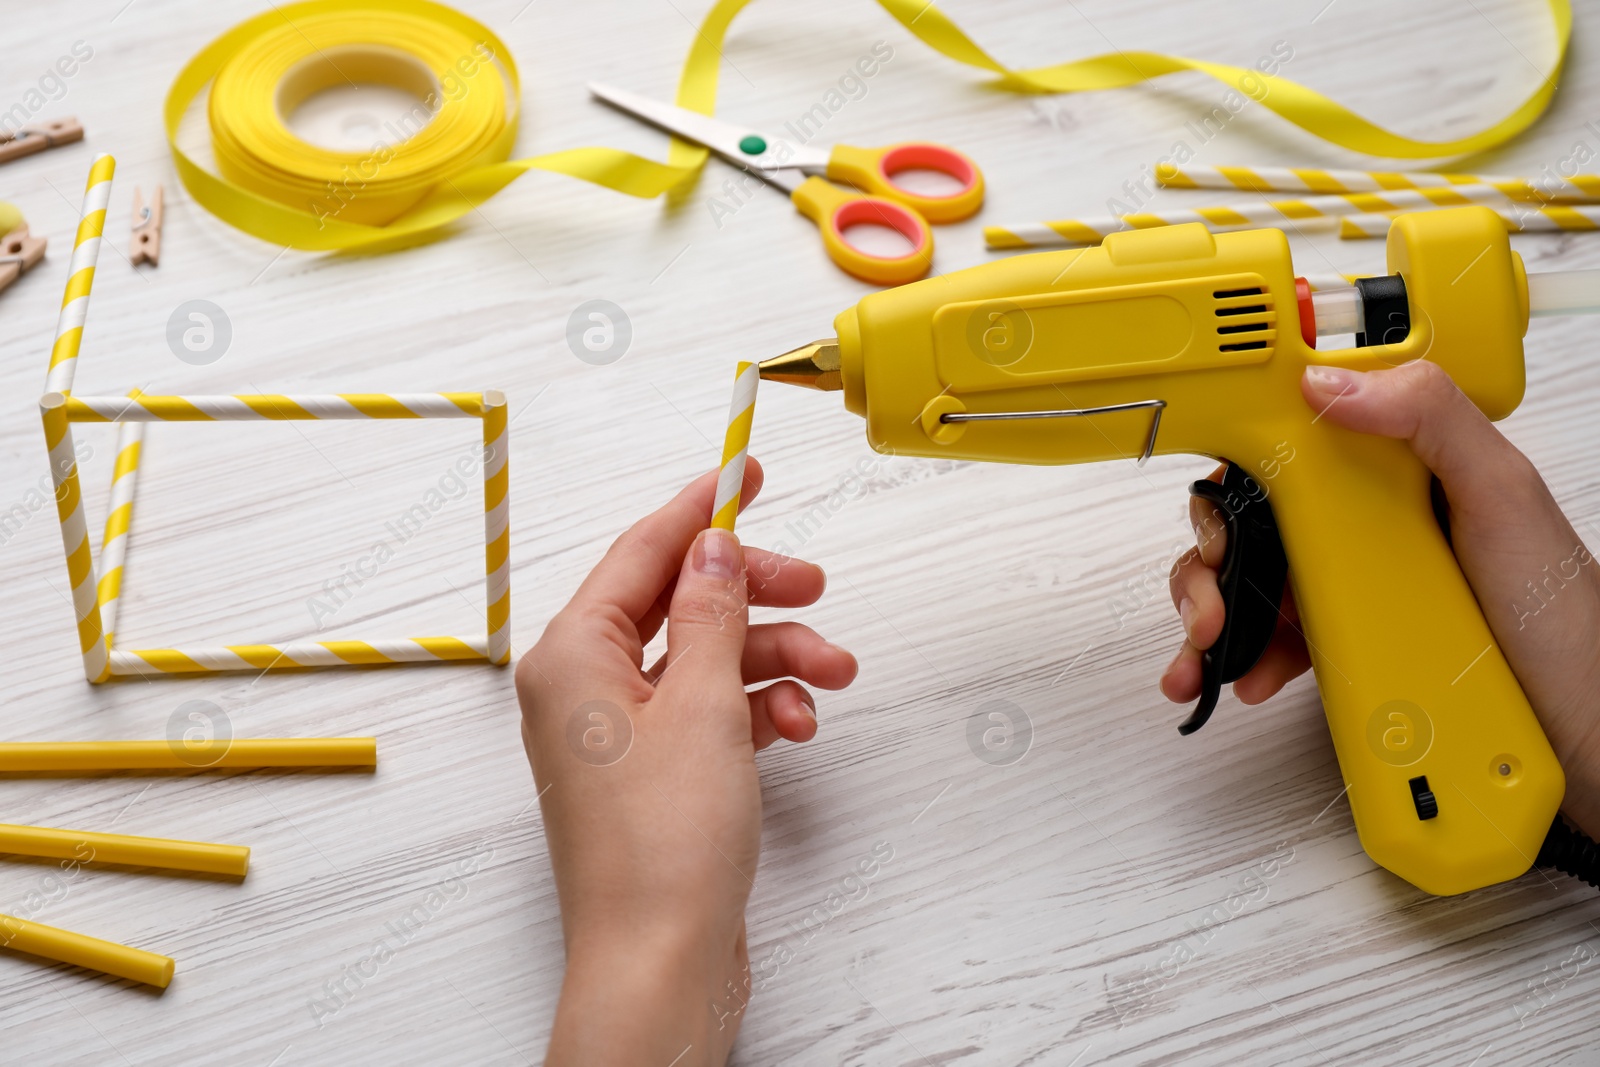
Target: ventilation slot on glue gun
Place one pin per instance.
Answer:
(1230, 312)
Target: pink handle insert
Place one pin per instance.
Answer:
(876, 211)
(922, 155)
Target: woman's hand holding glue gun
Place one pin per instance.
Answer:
(1533, 576)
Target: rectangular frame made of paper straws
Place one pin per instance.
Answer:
(95, 598)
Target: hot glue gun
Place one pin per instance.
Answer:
(1175, 340)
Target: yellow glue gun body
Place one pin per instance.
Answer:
(1194, 341)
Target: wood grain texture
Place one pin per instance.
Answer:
(1030, 913)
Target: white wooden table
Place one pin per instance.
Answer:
(1031, 913)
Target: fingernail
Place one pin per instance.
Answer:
(1335, 380)
(716, 554)
(1186, 613)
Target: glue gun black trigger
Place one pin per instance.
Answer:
(1254, 570)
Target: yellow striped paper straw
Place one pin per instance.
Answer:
(1357, 227)
(80, 950)
(80, 276)
(138, 408)
(1092, 229)
(58, 431)
(95, 603)
(1241, 216)
(114, 545)
(147, 662)
(75, 536)
(125, 850)
(1523, 219)
(736, 446)
(1580, 188)
(497, 526)
(148, 407)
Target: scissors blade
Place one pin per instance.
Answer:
(727, 139)
(723, 138)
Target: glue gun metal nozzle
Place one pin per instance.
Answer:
(814, 366)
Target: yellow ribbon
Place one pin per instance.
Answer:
(278, 188)
(1306, 108)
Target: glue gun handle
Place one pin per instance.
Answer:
(1451, 780)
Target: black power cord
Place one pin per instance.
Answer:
(1570, 852)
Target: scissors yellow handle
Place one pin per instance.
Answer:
(873, 169)
(834, 210)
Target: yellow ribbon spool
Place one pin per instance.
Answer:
(280, 188)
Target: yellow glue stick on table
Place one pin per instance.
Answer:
(248, 753)
(64, 946)
(86, 847)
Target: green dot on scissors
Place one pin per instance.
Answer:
(752, 145)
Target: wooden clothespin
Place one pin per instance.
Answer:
(18, 252)
(38, 136)
(146, 229)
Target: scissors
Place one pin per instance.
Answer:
(799, 171)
